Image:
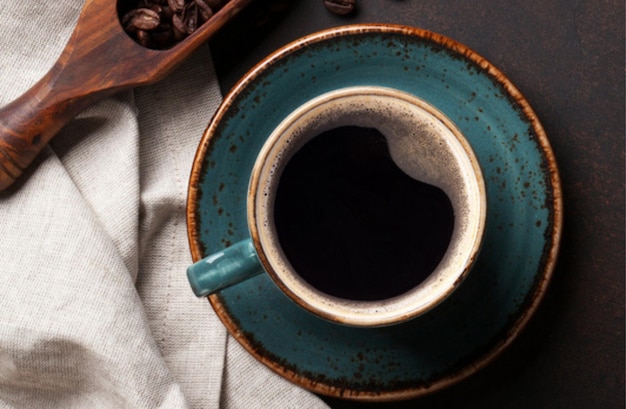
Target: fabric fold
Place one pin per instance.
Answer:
(95, 309)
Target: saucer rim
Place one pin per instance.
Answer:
(542, 276)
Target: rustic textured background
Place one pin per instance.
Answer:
(567, 58)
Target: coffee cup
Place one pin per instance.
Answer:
(366, 206)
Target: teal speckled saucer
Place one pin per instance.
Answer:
(521, 241)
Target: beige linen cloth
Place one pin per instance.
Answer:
(95, 309)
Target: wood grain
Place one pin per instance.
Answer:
(99, 60)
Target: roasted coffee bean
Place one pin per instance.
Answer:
(141, 19)
(204, 10)
(178, 26)
(156, 8)
(144, 38)
(341, 7)
(166, 12)
(161, 24)
(176, 5)
(190, 17)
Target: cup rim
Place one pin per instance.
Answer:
(542, 274)
(396, 309)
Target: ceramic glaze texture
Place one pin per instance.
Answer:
(521, 239)
(413, 129)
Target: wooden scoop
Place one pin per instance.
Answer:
(99, 60)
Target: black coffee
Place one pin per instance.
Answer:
(353, 224)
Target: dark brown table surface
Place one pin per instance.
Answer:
(567, 58)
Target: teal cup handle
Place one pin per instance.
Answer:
(220, 270)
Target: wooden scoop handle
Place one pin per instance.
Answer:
(94, 64)
(28, 123)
